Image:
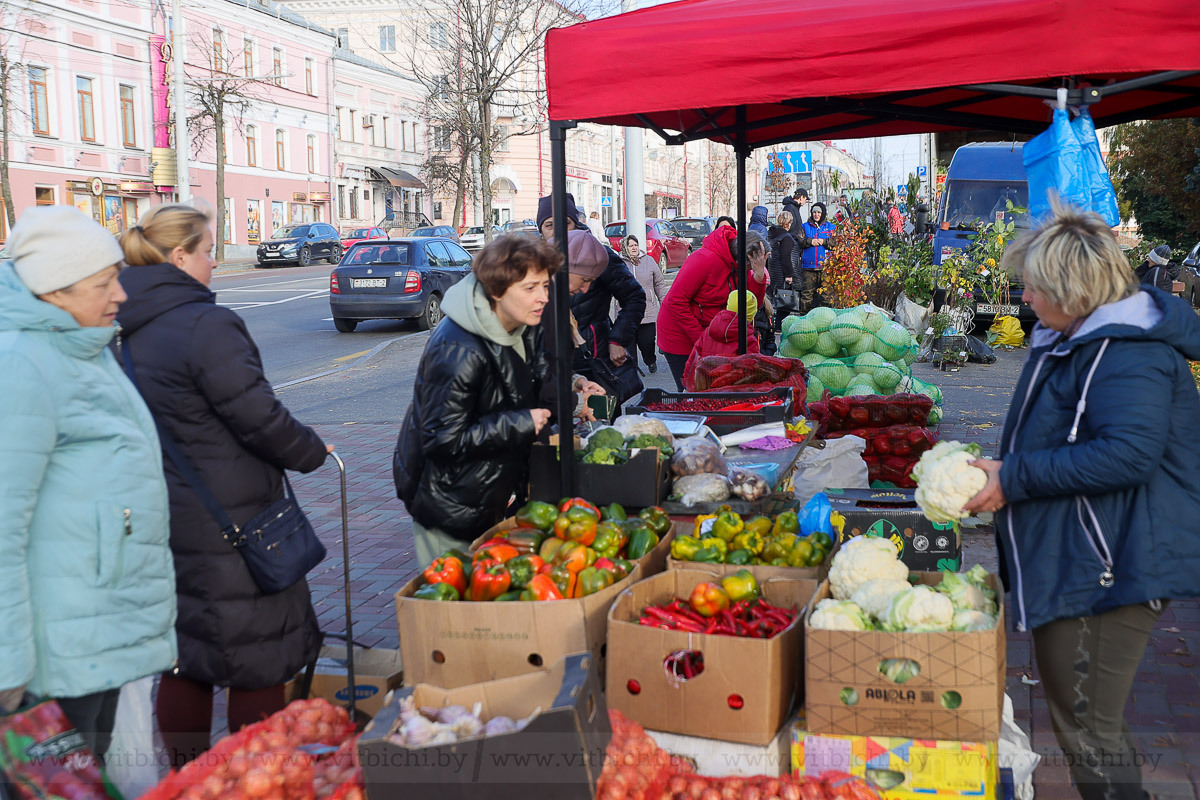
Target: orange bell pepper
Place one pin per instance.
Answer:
(709, 599)
(541, 587)
(501, 551)
(574, 556)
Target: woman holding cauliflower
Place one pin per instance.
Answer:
(1094, 492)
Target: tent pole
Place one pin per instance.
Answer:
(742, 151)
(561, 299)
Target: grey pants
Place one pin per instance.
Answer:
(1087, 666)
(432, 542)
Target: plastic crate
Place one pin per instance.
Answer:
(721, 422)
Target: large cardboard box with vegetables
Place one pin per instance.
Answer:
(610, 469)
(901, 768)
(943, 684)
(768, 547)
(539, 734)
(720, 685)
(893, 514)
(449, 642)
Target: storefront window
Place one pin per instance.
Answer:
(278, 214)
(131, 211)
(253, 221)
(84, 203)
(228, 220)
(113, 214)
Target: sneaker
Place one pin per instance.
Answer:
(654, 368)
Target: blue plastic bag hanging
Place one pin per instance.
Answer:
(815, 515)
(1103, 198)
(1054, 164)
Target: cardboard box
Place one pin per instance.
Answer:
(640, 482)
(766, 674)
(901, 768)
(893, 514)
(457, 644)
(559, 754)
(376, 672)
(846, 694)
(718, 759)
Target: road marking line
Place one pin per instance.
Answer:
(344, 367)
(245, 306)
(276, 283)
(272, 291)
(351, 356)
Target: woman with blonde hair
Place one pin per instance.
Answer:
(1094, 486)
(646, 270)
(200, 373)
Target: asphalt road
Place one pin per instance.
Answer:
(321, 375)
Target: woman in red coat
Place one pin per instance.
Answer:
(700, 292)
(721, 336)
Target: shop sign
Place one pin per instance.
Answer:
(319, 197)
(97, 186)
(578, 173)
(299, 197)
(136, 186)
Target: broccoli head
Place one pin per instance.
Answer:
(602, 455)
(609, 438)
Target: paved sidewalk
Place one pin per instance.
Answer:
(1163, 713)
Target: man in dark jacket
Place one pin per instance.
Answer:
(602, 338)
(797, 206)
(783, 263)
(1158, 270)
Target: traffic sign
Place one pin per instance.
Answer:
(902, 189)
(922, 171)
(606, 202)
(793, 161)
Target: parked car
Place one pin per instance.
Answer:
(473, 239)
(518, 225)
(1189, 274)
(395, 279)
(301, 244)
(444, 231)
(662, 242)
(694, 229)
(353, 236)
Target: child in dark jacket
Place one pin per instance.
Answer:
(721, 336)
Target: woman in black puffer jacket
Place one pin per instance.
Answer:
(465, 442)
(200, 373)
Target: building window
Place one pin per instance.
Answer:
(369, 129)
(128, 126)
(43, 195)
(353, 137)
(341, 200)
(353, 203)
(39, 107)
(218, 50)
(441, 87)
(87, 122)
(437, 210)
(280, 150)
(343, 38)
(248, 57)
(500, 137)
(387, 38)
(309, 85)
(387, 123)
(441, 138)
(312, 154)
(437, 35)
(251, 146)
(277, 66)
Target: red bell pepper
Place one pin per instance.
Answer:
(502, 552)
(448, 570)
(578, 502)
(489, 580)
(577, 524)
(541, 588)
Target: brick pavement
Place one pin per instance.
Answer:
(1163, 713)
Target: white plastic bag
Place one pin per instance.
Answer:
(132, 764)
(913, 317)
(1015, 753)
(838, 466)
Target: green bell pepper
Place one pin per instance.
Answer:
(526, 540)
(641, 542)
(760, 525)
(622, 567)
(509, 597)
(612, 511)
(454, 552)
(593, 580)
(683, 548)
(436, 591)
(778, 546)
(727, 525)
(822, 539)
(787, 522)
(739, 557)
(657, 518)
(608, 540)
(749, 540)
(523, 568)
(716, 543)
(709, 555)
(741, 585)
(801, 553)
(778, 562)
(536, 514)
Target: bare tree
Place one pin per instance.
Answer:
(12, 99)
(449, 118)
(721, 183)
(223, 93)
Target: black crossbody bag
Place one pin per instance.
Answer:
(278, 544)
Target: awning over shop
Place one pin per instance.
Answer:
(873, 67)
(398, 178)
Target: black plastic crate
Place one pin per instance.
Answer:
(721, 422)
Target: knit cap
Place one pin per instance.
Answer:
(53, 247)
(751, 304)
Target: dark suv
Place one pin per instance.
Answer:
(301, 244)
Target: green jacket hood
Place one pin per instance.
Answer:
(467, 304)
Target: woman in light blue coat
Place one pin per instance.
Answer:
(87, 586)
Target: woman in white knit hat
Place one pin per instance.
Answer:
(88, 597)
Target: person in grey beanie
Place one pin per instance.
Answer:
(1158, 269)
(88, 601)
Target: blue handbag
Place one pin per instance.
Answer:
(278, 544)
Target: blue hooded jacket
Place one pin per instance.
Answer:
(1101, 464)
(758, 220)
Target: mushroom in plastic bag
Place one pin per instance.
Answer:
(695, 455)
(747, 484)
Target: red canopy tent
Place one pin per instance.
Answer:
(755, 73)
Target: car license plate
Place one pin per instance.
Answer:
(1000, 311)
(368, 283)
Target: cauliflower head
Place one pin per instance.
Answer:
(875, 596)
(946, 480)
(919, 610)
(969, 620)
(861, 559)
(839, 615)
(967, 592)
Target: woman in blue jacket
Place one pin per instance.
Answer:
(1095, 489)
(812, 259)
(87, 589)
